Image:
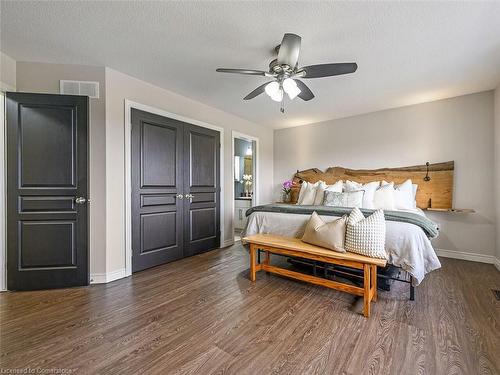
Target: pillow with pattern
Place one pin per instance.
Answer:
(366, 236)
(347, 199)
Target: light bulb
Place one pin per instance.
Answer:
(292, 94)
(272, 88)
(291, 88)
(289, 84)
(278, 96)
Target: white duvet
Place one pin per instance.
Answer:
(406, 244)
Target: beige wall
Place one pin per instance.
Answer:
(119, 87)
(459, 129)
(7, 72)
(44, 78)
(497, 170)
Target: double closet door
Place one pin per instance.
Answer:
(175, 189)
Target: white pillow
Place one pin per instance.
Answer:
(384, 197)
(414, 188)
(403, 196)
(336, 187)
(307, 193)
(347, 199)
(320, 193)
(366, 236)
(368, 188)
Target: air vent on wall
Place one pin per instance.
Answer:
(87, 88)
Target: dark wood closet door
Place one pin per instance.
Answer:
(46, 191)
(201, 184)
(157, 182)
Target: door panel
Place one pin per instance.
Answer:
(47, 243)
(201, 179)
(158, 146)
(48, 131)
(47, 232)
(157, 216)
(202, 168)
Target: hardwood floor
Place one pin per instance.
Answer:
(202, 315)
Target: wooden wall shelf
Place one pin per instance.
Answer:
(452, 210)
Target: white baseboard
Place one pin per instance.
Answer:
(227, 243)
(473, 257)
(497, 264)
(102, 278)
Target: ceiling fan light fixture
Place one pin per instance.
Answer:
(291, 88)
(274, 91)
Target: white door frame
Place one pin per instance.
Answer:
(255, 197)
(129, 104)
(3, 195)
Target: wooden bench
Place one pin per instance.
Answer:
(294, 247)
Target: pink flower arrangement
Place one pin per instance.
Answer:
(287, 186)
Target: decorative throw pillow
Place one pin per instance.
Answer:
(330, 235)
(369, 189)
(414, 191)
(347, 199)
(366, 236)
(320, 193)
(403, 196)
(337, 187)
(307, 193)
(384, 197)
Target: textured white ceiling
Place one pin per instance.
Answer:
(407, 53)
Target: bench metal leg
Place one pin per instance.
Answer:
(412, 290)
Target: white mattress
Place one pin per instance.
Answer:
(407, 245)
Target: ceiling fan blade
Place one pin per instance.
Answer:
(259, 90)
(243, 71)
(305, 93)
(328, 70)
(289, 50)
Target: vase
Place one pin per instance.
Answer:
(286, 197)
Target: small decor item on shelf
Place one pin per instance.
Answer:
(286, 188)
(247, 180)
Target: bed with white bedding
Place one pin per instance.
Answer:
(407, 244)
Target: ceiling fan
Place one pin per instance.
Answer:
(285, 73)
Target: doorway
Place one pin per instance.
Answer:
(244, 177)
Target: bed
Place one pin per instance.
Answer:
(408, 245)
(408, 232)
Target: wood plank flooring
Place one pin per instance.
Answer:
(202, 315)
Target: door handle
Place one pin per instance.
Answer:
(190, 197)
(179, 196)
(80, 200)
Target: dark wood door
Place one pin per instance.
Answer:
(175, 190)
(46, 174)
(202, 189)
(157, 183)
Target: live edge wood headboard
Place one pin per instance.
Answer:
(435, 193)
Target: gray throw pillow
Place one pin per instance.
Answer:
(330, 235)
(346, 199)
